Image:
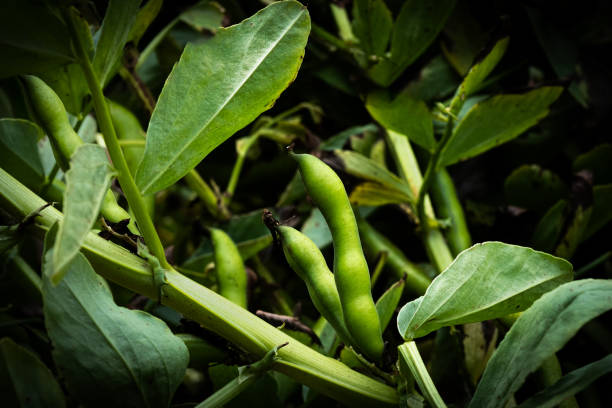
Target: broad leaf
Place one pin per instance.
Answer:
(363, 167)
(25, 381)
(403, 115)
(569, 384)
(144, 18)
(87, 183)
(415, 28)
(372, 24)
(220, 86)
(114, 34)
(388, 302)
(32, 38)
(109, 355)
(486, 281)
(478, 73)
(538, 333)
(496, 121)
(68, 82)
(18, 143)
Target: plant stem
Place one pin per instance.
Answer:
(448, 206)
(410, 353)
(207, 195)
(134, 198)
(345, 31)
(435, 244)
(432, 168)
(209, 309)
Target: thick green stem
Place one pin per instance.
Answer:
(432, 168)
(209, 309)
(345, 31)
(133, 195)
(409, 352)
(207, 195)
(448, 206)
(435, 244)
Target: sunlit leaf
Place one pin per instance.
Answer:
(220, 86)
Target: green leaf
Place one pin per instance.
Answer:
(601, 215)
(415, 28)
(360, 166)
(495, 121)
(315, 227)
(569, 384)
(532, 187)
(598, 162)
(32, 38)
(479, 72)
(114, 34)
(507, 279)
(206, 15)
(403, 115)
(220, 86)
(109, 355)
(24, 380)
(374, 195)
(372, 24)
(18, 143)
(144, 18)
(87, 182)
(538, 333)
(338, 140)
(550, 226)
(388, 302)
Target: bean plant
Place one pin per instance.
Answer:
(363, 239)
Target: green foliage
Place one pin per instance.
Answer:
(205, 102)
(507, 279)
(538, 333)
(108, 354)
(87, 183)
(390, 98)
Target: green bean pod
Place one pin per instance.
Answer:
(350, 267)
(308, 262)
(229, 268)
(53, 117)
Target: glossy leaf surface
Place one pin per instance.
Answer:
(495, 121)
(109, 355)
(538, 333)
(220, 86)
(486, 281)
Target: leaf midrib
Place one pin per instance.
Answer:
(188, 143)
